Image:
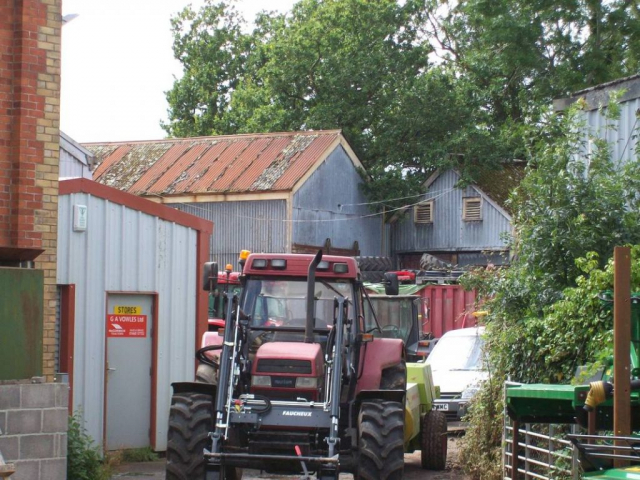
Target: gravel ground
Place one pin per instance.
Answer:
(155, 470)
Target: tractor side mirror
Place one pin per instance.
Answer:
(210, 276)
(391, 285)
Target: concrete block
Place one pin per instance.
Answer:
(38, 395)
(36, 446)
(20, 422)
(55, 469)
(55, 420)
(9, 397)
(27, 470)
(10, 448)
(62, 395)
(62, 446)
(3, 423)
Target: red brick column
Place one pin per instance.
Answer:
(29, 142)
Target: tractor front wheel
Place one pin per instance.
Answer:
(380, 441)
(434, 441)
(190, 421)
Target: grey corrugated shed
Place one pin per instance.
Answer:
(622, 133)
(449, 232)
(128, 251)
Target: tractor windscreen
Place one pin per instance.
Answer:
(394, 315)
(283, 302)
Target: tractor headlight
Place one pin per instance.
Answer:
(261, 381)
(307, 382)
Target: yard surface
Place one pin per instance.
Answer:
(155, 470)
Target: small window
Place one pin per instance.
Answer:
(423, 212)
(472, 209)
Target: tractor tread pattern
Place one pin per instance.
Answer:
(381, 431)
(190, 421)
(434, 441)
(372, 269)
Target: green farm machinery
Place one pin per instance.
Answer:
(591, 406)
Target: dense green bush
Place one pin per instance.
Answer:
(84, 461)
(545, 315)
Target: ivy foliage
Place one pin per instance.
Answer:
(84, 461)
(546, 316)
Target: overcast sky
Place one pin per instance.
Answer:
(117, 62)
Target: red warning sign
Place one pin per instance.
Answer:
(124, 326)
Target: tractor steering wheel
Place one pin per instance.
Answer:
(391, 331)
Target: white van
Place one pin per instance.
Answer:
(457, 367)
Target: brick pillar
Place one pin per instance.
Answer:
(29, 144)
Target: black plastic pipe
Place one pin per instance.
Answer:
(311, 288)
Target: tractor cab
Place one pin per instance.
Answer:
(397, 316)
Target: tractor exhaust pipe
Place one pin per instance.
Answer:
(311, 287)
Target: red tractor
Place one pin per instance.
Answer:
(299, 382)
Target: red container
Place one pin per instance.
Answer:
(447, 307)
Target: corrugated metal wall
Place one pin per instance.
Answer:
(258, 226)
(127, 251)
(71, 167)
(329, 205)
(449, 232)
(447, 307)
(623, 138)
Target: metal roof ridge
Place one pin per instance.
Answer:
(215, 137)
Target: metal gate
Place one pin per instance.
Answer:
(543, 451)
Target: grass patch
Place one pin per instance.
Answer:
(135, 455)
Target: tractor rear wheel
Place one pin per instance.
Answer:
(434, 441)
(190, 421)
(380, 441)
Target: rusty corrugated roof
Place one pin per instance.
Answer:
(233, 163)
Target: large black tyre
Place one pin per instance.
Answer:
(394, 378)
(372, 268)
(380, 441)
(434, 441)
(190, 421)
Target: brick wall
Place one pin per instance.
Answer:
(29, 144)
(33, 429)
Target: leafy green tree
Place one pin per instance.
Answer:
(363, 67)
(520, 54)
(414, 85)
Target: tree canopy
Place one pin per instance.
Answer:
(413, 85)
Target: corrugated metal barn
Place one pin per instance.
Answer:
(277, 192)
(622, 133)
(459, 226)
(131, 308)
